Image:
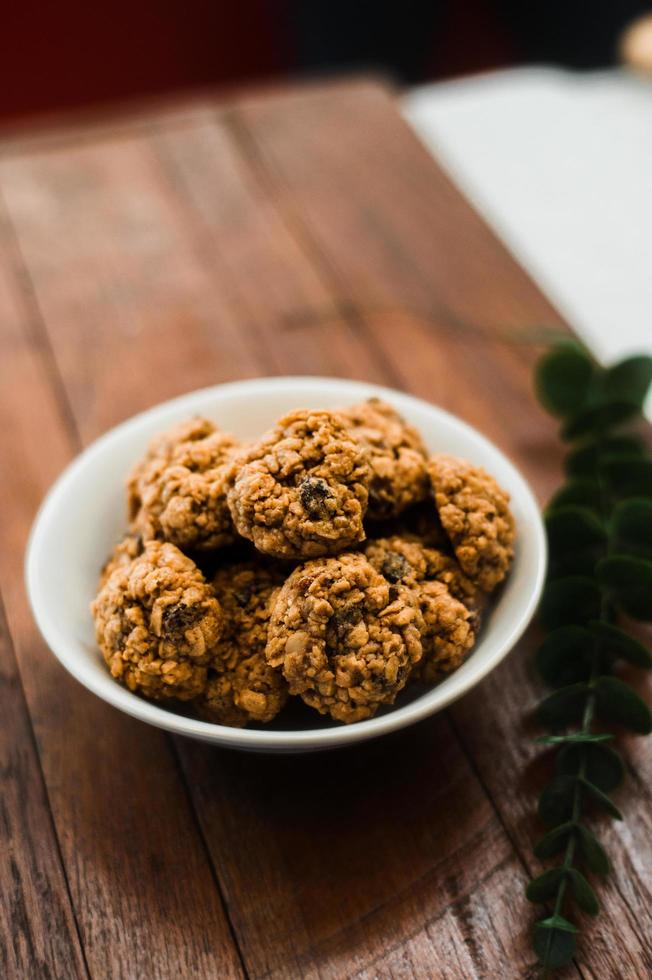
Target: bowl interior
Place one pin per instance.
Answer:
(84, 515)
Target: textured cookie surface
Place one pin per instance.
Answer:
(397, 457)
(345, 638)
(178, 492)
(242, 686)
(157, 623)
(129, 547)
(302, 490)
(448, 600)
(474, 512)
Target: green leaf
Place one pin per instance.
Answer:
(573, 738)
(597, 419)
(599, 797)
(629, 581)
(621, 644)
(580, 563)
(573, 600)
(545, 886)
(577, 492)
(563, 378)
(554, 841)
(591, 851)
(573, 528)
(628, 381)
(620, 703)
(554, 947)
(556, 801)
(565, 656)
(584, 461)
(627, 476)
(582, 891)
(557, 922)
(563, 706)
(602, 764)
(631, 526)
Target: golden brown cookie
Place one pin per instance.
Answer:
(302, 490)
(157, 622)
(242, 687)
(448, 601)
(128, 548)
(345, 638)
(396, 453)
(474, 512)
(178, 492)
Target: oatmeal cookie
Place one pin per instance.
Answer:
(178, 493)
(128, 548)
(242, 687)
(448, 601)
(475, 514)
(345, 637)
(302, 490)
(396, 453)
(157, 622)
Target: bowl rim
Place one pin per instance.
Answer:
(114, 694)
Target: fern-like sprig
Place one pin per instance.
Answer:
(599, 527)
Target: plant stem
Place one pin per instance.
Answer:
(587, 718)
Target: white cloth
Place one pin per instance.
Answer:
(560, 165)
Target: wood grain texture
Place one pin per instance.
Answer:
(143, 892)
(308, 233)
(38, 934)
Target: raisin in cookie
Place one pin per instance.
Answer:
(396, 453)
(345, 638)
(242, 687)
(448, 601)
(157, 622)
(178, 492)
(475, 514)
(302, 490)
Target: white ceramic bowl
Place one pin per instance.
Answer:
(84, 514)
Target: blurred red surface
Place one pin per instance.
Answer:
(73, 53)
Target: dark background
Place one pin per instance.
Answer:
(80, 53)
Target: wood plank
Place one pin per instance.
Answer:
(407, 238)
(301, 327)
(143, 892)
(56, 130)
(225, 258)
(38, 934)
(338, 178)
(133, 281)
(344, 858)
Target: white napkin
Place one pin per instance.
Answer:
(560, 164)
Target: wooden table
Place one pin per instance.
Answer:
(305, 231)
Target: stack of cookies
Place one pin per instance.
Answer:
(334, 560)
